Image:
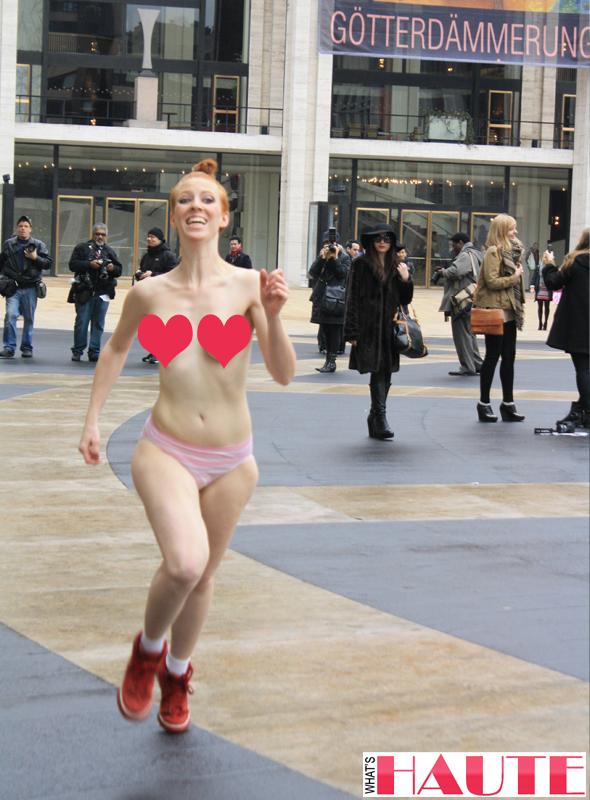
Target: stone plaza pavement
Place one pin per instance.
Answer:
(424, 594)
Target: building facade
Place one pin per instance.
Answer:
(90, 131)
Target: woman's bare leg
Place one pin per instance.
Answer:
(171, 499)
(222, 503)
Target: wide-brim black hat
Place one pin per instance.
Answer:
(366, 236)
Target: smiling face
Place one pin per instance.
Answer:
(152, 240)
(512, 233)
(402, 254)
(197, 213)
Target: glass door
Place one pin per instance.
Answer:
(128, 221)
(414, 230)
(74, 225)
(426, 236)
(121, 221)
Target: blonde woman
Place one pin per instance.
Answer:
(501, 286)
(193, 466)
(570, 329)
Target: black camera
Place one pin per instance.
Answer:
(31, 247)
(82, 288)
(137, 275)
(332, 247)
(104, 262)
(565, 427)
(436, 276)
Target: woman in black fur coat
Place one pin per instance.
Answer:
(377, 285)
(570, 329)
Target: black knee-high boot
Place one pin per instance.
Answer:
(377, 421)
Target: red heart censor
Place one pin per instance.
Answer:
(165, 341)
(221, 341)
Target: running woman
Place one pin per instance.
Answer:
(193, 466)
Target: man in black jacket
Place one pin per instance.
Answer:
(22, 260)
(159, 257)
(97, 269)
(236, 255)
(158, 260)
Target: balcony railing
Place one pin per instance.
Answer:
(178, 116)
(355, 124)
(73, 111)
(222, 119)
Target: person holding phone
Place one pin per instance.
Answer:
(543, 295)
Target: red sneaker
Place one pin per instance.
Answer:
(174, 715)
(134, 698)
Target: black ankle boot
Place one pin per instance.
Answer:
(485, 413)
(575, 415)
(585, 420)
(508, 412)
(330, 365)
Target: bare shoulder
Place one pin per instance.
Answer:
(249, 279)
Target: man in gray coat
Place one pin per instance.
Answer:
(463, 271)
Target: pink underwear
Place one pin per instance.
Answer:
(204, 463)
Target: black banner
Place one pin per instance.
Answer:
(388, 28)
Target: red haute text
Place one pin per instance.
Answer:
(474, 774)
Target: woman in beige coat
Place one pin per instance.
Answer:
(500, 286)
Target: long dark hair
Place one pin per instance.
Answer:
(391, 260)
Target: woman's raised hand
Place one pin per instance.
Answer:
(403, 271)
(273, 291)
(90, 444)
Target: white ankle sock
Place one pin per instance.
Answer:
(152, 645)
(175, 665)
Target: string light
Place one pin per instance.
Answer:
(400, 181)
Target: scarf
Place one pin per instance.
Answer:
(510, 258)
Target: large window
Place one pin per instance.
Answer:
(199, 52)
(414, 100)
(538, 197)
(430, 184)
(208, 29)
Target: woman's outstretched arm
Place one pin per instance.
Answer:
(275, 345)
(108, 369)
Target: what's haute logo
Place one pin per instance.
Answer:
(474, 775)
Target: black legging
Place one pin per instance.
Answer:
(581, 363)
(497, 346)
(332, 335)
(540, 304)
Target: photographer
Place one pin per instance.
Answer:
(97, 269)
(329, 270)
(21, 263)
(158, 260)
(463, 272)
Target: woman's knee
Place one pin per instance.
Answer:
(187, 569)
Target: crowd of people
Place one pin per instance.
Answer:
(356, 292)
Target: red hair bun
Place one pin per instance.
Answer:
(208, 166)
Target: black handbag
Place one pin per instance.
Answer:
(407, 335)
(8, 287)
(333, 300)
